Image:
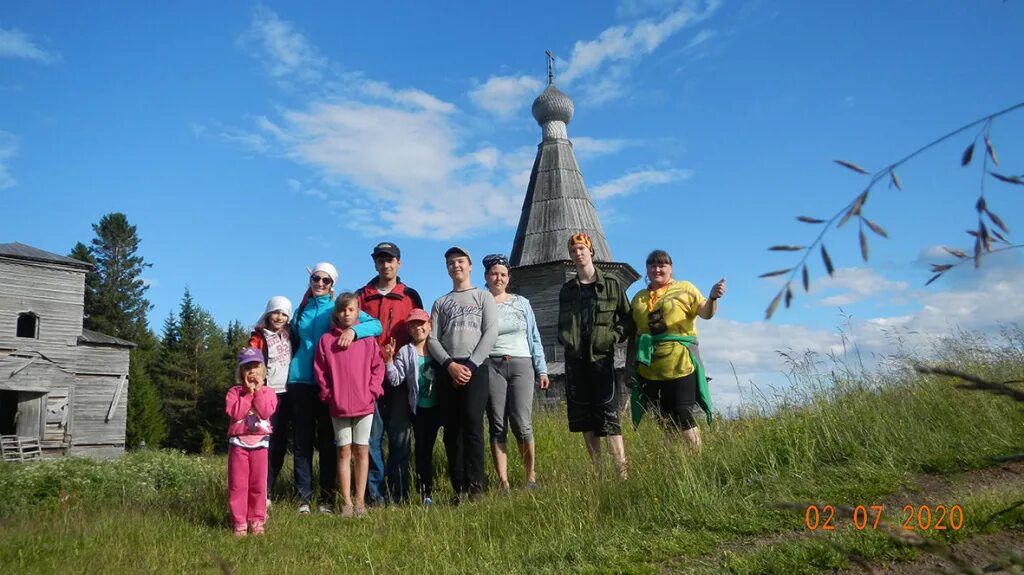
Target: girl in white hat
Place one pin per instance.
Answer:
(272, 336)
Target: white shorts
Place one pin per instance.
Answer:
(349, 430)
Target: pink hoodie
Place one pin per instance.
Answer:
(250, 413)
(349, 379)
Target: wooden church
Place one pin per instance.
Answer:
(63, 389)
(556, 206)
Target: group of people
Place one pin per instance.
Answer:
(344, 371)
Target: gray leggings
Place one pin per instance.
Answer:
(510, 380)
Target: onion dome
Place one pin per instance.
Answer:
(552, 105)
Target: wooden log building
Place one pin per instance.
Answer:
(62, 387)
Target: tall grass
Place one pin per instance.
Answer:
(841, 441)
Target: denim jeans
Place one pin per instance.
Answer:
(389, 476)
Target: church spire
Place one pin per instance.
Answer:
(557, 204)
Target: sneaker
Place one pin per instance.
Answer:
(240, 531)
(258, 528)
(348, 511)
(304, 509)
(427, 501)
(531, 485)
(360, 511)
(324, 508)
(476, 497)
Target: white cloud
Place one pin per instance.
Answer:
(700, 38)
(591, 147)
(400, 153)
(503, 96)
(8, 149)
(637, 181)
(286, 53)
(604, 64)
(414, 98)
(990, 299)
(856, 284)
(16, 44)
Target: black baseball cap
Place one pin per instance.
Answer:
(386, 248)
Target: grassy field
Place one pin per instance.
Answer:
(848, 442)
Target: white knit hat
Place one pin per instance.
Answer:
(279, 303)
(326, 268)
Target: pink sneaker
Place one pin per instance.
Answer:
(240, 531)
(258, 528)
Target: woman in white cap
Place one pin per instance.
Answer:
(310, 419)
(272, 336)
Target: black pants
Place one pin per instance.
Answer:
(281, 422)
(592, 396)
(426, 423)
(672, 401)
(462, 409)
(312, 424)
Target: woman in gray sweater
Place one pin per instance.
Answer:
(464, 326)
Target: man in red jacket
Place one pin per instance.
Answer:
(386, 298)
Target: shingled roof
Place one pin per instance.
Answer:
(23, 252)
(557, 204)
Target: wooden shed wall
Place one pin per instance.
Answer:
(55, 294)
(100, 381)
(90, 404)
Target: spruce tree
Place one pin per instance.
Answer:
(194, 377)
(92, 281)
(120, 304)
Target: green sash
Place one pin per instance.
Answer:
(644, 351)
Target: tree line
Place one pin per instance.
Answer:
(177, 378)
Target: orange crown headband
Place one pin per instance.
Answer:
(580, 238)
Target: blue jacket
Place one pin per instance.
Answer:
(520, 303)
(308, 325)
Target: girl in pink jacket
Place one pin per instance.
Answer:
(350, 374)
(249, 404)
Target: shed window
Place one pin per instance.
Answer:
(28, 325)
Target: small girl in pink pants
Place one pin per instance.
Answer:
(249, 404)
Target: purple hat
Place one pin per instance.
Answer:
(250, 355)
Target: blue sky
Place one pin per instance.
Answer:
(249, 141)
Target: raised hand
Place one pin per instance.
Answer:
(718, 290)
(388, 351)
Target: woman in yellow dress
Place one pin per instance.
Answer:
(668, 378)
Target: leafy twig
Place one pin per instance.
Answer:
(854, 208)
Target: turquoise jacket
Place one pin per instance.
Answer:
(311, 322)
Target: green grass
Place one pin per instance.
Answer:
(848, 443)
